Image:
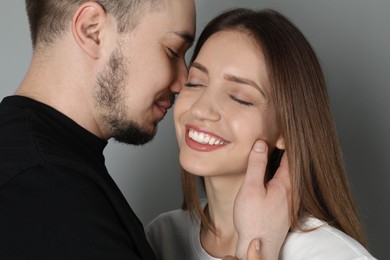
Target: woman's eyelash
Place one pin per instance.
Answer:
(191, 85)
(242, 102)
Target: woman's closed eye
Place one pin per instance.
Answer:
(192, 85)
(240, 101)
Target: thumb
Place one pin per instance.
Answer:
(254, 250)
(257, 164)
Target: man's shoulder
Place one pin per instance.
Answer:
(22, 152)
(18, 151)
(21, 156)
(67, 212)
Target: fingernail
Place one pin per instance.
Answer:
(257, 245)
(260, 147)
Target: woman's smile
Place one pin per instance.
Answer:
(203, 140)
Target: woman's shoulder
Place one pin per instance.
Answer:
(322, 240)
(169, 234)
(169, 221)
(174, 219)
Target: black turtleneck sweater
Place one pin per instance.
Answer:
(57, 200)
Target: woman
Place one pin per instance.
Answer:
(253, 76)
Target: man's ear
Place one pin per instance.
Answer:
(87, 25)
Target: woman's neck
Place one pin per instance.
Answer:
(221, 193)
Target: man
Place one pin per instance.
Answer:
(101, 69)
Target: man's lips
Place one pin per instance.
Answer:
(165, 102)
(163, 107)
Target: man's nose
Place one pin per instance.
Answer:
(181, 77)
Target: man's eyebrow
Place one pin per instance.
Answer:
(200, 67)
(244, 81)
(187, 37)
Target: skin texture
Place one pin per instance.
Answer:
(117, 84)
(270, 219)
(102, 79)
(214, 102)
(154, 48)
(227, 97)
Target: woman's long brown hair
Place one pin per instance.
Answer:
(319, 181)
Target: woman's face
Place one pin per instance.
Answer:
(224, 107)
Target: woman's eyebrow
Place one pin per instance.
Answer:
(231, 77)
(244, 81)
(200, 67)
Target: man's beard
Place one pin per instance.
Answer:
(109, 96)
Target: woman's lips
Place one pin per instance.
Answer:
(202, 140)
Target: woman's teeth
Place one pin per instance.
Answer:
(203, 138)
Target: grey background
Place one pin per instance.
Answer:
(352, 39)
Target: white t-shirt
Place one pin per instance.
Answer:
(173, 235)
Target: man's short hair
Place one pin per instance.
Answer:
(49, 18)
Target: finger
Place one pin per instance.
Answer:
(228, 257)
(257, 164)
(254, 250)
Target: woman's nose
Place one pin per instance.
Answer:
(205, 107)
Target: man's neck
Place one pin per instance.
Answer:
(62, 86)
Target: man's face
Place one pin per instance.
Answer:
(137, 86)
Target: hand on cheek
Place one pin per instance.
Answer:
(263, 211)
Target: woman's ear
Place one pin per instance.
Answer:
(87, 24)
(280, 143)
